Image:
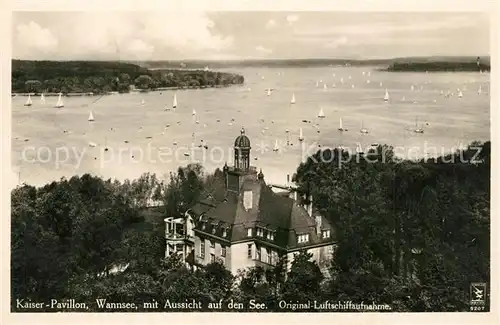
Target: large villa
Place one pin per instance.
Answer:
(242, 222)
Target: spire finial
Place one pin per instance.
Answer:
(242, 130)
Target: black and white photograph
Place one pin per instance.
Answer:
(250, 161)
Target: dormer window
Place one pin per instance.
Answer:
(260, 232)
(303, 238)
(270, 235)
(213, 229)
(224, 232)
(203, 225)
(249, 232)
(326, 234)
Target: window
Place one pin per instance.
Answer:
(303, 238)
(257, 253)
(203, 226)
(212, 244)
(326, 233)
(202, 249)
(224, 232)
(223, 251)
(213, 230)
(212, 258)
(270, 235)
(269, 256)
(260, 232)
(249, 251)
(249, 232)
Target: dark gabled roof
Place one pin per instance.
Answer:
(269, 211)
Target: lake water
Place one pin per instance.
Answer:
(447, 122)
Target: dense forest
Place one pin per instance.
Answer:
(439, 66)
(103, 77)
(412, 235)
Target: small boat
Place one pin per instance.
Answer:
(480, 90)
(369, 73)
(301, 135)
(292, 101)
(167, 108)
(174, 103)
(341, 127)
(268, 91)
(92, 144)
(321, 114)
(386, 96)
(194, 112)
(143, 102)
(42, 99)
(334, 85)
(417, 128)
(460, 95)
(186, 154)
(363, 73)
(317, 83)
(359, 149)
(325, 86)
(412, 88)
(380, 84)
(363, 130)
(59, 103)
(28, 102)
(342, 80)
(276, 146)
(403, 99)
(91, 117)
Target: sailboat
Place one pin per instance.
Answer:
(42, 99)
(174, 104)
(333, 85)
(28, 102)
(359, 149)
(321, 114)
(412, 88)
(403, 99)
(363, 130)
(59, 103)
(342, 80)
(417, 129)
(143, 102)
(480, 90)
(106, 144)
(380, 84)
(268, 91)
(386, 96)
(194, 112)
(460, 95)
(91, 117)
(292, 101)
(324, 86)
(341, 128)
(167, 108)
(276, 146)
(301, 135)
(317, 83)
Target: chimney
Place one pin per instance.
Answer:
(310, 206)
(318, 225)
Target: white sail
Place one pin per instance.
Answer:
(174, 104)
(341, 80)
(386, 96)
(321, 114)
(194, 112)
(341, 127)
(480, 90)
(268, 91)
(403, 99)
(28, 102)
(143, 102)
(324, 86)
(59, 101)
(412, 87)
(276, 146)
(292, 101)
(369, 73)
(363, 129)
(301, 135)
(42, 99)
(359, 149)
(317, 83)
(460, 95)
(91, 117)
(333, 85)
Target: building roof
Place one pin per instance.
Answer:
(242, 141)
(269, 211)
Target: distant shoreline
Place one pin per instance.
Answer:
(81, 94)
(439, 66)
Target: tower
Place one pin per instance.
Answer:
(242, 152)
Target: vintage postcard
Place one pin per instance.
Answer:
(167, 162)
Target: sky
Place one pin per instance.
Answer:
(245, 35)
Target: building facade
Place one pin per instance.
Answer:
(241, 222)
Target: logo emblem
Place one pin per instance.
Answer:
(478, 293)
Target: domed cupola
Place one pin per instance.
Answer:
(242, 151)
(242, 141)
